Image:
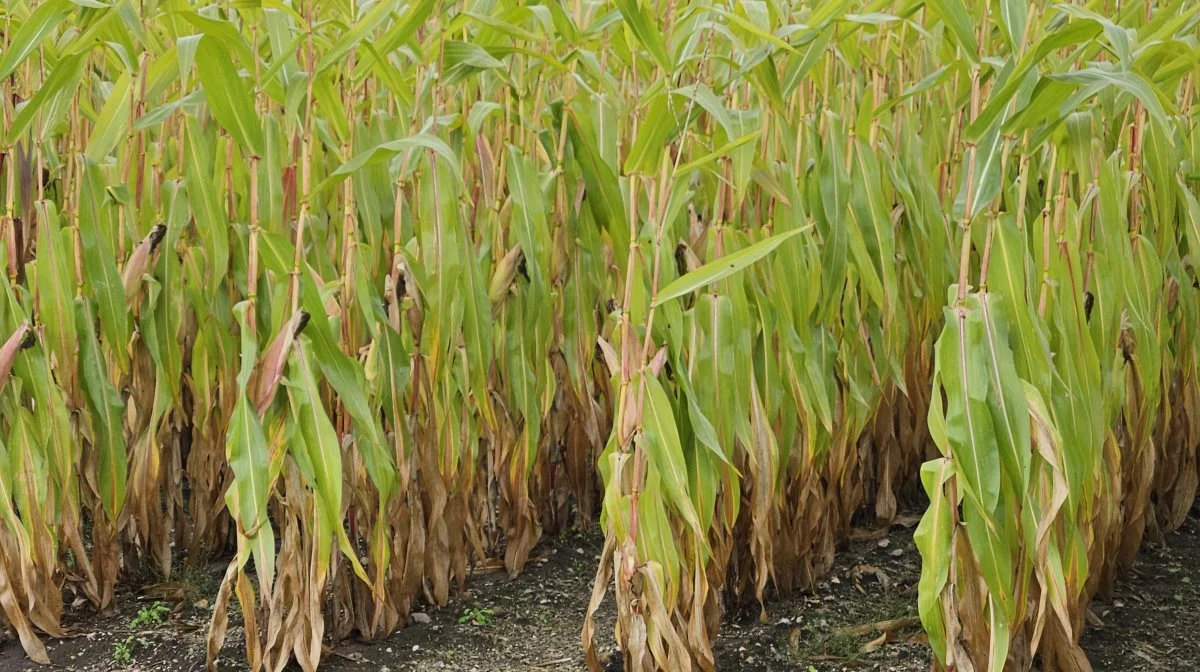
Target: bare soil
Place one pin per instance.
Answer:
(860, 617)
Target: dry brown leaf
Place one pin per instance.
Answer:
(859, 570)
(220, 617)
(884, 626)
(877, 643)
(867, 534)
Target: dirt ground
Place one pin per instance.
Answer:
(861, 617)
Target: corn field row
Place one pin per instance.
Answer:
(361, 294)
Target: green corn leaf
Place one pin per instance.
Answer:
(722, 268)
(99, 264)
(106, 410)
(529, 215)
(113, 121)
(1130, 82)
(246, 450)
(229, 101)
(639, 22)
(222, 33)
(54, 284)
(681, 173)
(932, 538)
(60, 85)
(31, 33)
(211, 223)
(324, 455)
(1012, 21)
(1006, 398)
(345, 376)
(603, 196)
(666, 452)
(400, 31)
(385, 151)
(357, 33)
(960, 355)
(954, 14)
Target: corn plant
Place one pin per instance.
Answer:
(1050, 375)
(360, 296)
(218, 343)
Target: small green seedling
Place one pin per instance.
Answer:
(123, 651)
(154, 614)
(477, 615)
